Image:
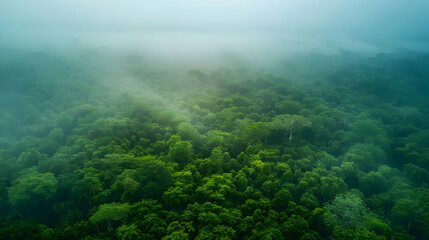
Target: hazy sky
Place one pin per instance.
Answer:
(167, 25)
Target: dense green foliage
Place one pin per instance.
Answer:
(91, 152)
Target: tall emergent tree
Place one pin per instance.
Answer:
(289, 123)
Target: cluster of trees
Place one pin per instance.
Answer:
(231, 154)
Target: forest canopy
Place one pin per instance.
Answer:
(91, 152)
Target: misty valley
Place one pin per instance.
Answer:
(96, 144)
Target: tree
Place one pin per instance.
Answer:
(281, 199)
(87, 188)
(365, 156)
(309, 201)
(416, 173)
(217, 188)
(110, 212)
(218, 232)
(150, 180)
(404, 212)
(128, 232)
(212, 165)
(288, 106)
(372, 183)
(295, 227)
(188, 132)
(289, 123)
(177, 235)
(379, 227)
(256, 132)
(331, 186)
(127, 185)
(267, 233)
(270, 188)
(352, 234)
(30, 158)
(260, 170)
(181, 191)
(197, 74)
(349, 209)
(368, 131)
(49, 234)
(181, 152)
(32, 188)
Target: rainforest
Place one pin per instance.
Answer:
(130, 130)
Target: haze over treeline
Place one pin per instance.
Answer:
(192, 28)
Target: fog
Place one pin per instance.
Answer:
(194, 29)
(214, 119)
